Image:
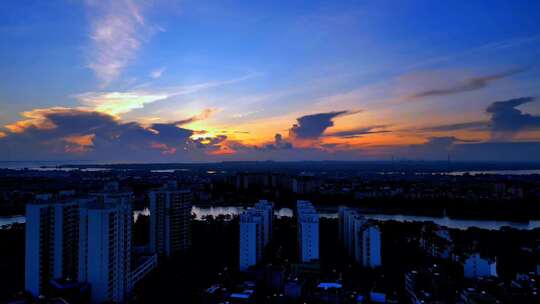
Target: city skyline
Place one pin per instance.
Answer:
(190, 81)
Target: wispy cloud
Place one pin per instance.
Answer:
(359, 132)
(205, 114)
(155, 74)
(116, 103)
(469, 84)
(118, 29)
(472, 125)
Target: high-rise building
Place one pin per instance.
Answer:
(368, 246)
(251, 240)
(350, 221)
(170, 220)
(476, 267)
(88, 240)
(255, 233)
(52, 234)
(105, 245)
(360, 237)
(266, 209)
(307, 231)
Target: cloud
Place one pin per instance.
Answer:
(469, 84)
(118, 29)
(205, 114)
(472, 125)
(116, 103)
(155, 74)
(79, 143)
(313, 126)
(63, 133)
(506, 120)
(359, 132)
(278, 144)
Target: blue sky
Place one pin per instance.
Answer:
(228, 76)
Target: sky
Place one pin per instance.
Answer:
(198, 81)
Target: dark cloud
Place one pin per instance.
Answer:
(313, 126)
(473, 125)
(72, 133)
(506, 120)
(279, 144)
(359, 132)
(69, 134)
(469, 84)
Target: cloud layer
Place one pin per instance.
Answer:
(58, 133)
(82, 133)
(469, 84)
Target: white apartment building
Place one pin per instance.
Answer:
(105, 246)
(255, 233)
(368, 246)
(307, 231)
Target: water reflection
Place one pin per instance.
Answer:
(284, 212)
(202, 212)
(137, 213)
(497, 172)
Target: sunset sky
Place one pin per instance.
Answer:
(192, 81)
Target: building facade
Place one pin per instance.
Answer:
(86, 240)
(255, 233)
(476, 267)
(368, 246)
(170, 220)
(52, 235)
(307, 231)
(106, 245)
(360, 237)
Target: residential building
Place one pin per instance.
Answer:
(307, 231)
(251, 239)
(266, 209)
(105, 246)
(255, 233)
(476, 267)
(170, 220)
(368, 246)
(52, 233)
(360, 237)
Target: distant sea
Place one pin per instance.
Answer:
(40, 165)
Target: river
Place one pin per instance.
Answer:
(202, 212)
